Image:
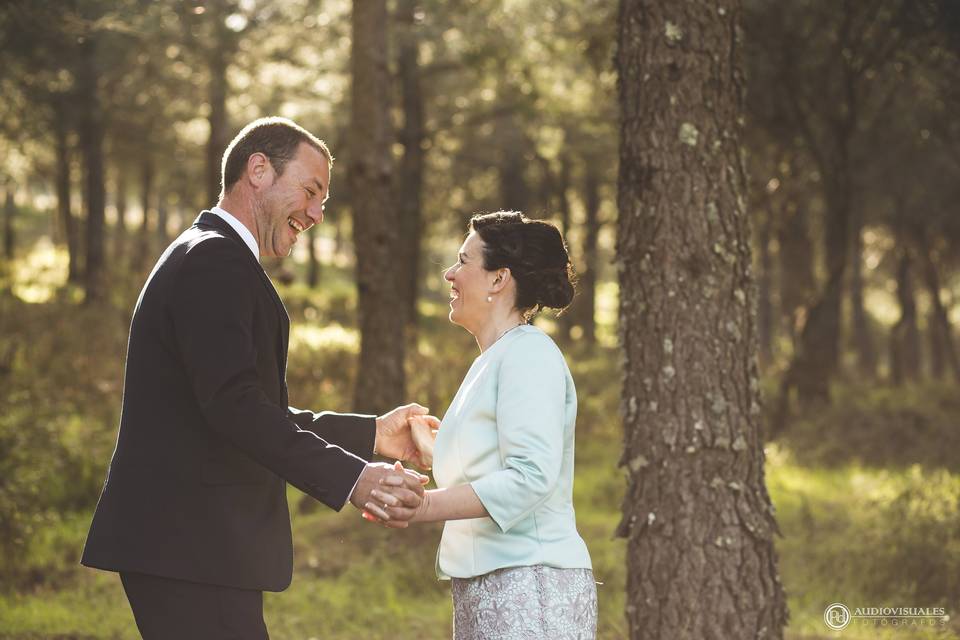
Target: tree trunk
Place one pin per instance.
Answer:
(905, 335)
(591, 262)
(945, 347)
(217, 96)
(120, 203)
(560, 186)
(162, 218)
(381, 307)
(91, 144)
(765, 290)
(862, 338)
(143, 254)
(410, 174)
(64, 185)
(797, 282)
(514, 191)
(9, 213)
(313, 263)
(700, 556)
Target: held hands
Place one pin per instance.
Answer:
(381, 484)
(397, 438)
(387, 508)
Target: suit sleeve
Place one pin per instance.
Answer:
(212, 310)
(352, 431)
(531, 393)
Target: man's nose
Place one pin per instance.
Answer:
(316, 213)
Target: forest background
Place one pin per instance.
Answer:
(112, 122)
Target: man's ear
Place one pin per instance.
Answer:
(259, 171)
(502, 279)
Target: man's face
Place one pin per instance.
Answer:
(293, 202)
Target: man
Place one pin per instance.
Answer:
(193, 514)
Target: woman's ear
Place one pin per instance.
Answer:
(502, 279)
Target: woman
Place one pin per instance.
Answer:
(503, 458)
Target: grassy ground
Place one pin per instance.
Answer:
(867, 493)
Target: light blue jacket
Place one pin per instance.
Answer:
(509, 432)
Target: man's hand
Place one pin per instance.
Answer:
(404, 491)
(394, 440)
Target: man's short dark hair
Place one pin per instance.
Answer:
(276, 138)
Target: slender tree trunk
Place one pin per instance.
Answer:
(120, 203)
(701, 562)
(64, 195)
(410, 174)
(862, 338)
(514, 190)
(162, 218)
(313, 262)
(765, 290)
(91, 144)
(381, 307)
(560, 187)
(945, 347)
(905, 335)
(217, 97)
(591, 262)
(142, 255)
(9, 213)
(797, 282)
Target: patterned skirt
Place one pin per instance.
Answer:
(526, 603)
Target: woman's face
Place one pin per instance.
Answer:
(469, 286)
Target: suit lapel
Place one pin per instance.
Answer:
(210, 219)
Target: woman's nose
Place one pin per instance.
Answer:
(448, 274)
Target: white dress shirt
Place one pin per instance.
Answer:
(240, 228)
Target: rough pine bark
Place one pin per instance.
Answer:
(381, 307)
(697, 516)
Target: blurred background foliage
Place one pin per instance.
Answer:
(113, 118)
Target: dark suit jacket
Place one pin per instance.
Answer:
(196, 489)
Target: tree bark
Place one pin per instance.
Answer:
(64, 184)
(558, 188)
(410, 174)
(381, 307)
(697, 516)
(91, 145)
(862, 338)
(162, 218)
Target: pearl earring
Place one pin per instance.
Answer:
(489, 298)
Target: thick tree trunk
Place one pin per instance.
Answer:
(91, 145)
(9, 213)
(410, 174)
(944, 346)
(591, 262)
(700, 556)
(862, 338)
(381, 307)
(64, 209)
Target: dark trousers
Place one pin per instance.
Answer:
(167, 609)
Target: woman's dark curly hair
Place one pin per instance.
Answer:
(534, 252)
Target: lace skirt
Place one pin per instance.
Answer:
(526, 603)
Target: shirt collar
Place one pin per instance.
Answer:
(240, 228)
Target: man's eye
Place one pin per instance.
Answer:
(309, 191)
